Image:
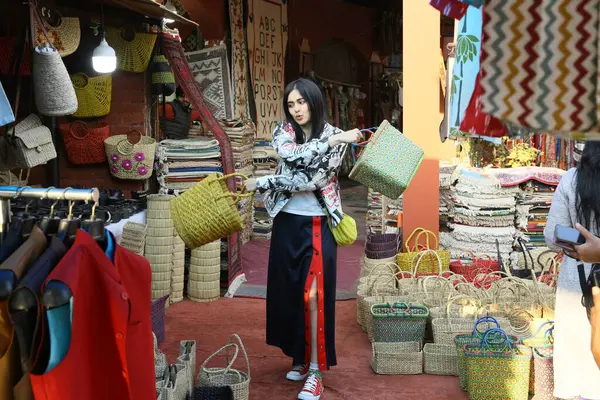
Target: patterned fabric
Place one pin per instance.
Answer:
(465, 69)
(498, 375)
(543, 373)
(210, 68)
(304, 167)
(516, 176)
(450, 8)
(239, 60)
(379, 166)
(541, 67)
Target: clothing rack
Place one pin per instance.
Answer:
(52, 193)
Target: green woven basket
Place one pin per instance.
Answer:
(388, 163)
(400, 322)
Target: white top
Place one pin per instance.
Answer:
(575, 371)
(303, 203)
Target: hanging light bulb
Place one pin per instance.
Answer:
(104, 58)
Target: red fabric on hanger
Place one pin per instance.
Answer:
(111, 354)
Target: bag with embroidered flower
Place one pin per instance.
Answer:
(129, 158)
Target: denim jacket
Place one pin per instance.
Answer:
(304, 167)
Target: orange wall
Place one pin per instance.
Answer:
(422, 118)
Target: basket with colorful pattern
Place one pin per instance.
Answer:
(497, 368)
(542, 339)
(379, 166)
(399, 322)
(473, 338)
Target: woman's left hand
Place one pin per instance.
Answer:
(250, 184)
(589, 251)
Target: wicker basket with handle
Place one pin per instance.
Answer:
(128, 158)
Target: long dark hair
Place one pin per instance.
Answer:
(311, 93)
(588, 186)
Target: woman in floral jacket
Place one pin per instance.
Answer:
(303, 196)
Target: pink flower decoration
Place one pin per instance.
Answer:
(114, 157)
(114, 169)
(139, 156)
(127, 165)
(142, 170)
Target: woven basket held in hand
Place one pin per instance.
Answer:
(85, 143)
(238, 381)
(389, 162)
(128, 158)
(132, 55)
(94, 95)
(52, 88)
(208, 211)
(65, 36)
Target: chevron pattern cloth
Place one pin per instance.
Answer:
(540, 63)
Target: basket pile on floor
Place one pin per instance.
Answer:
(159, 243)
(134, 237)
(176, 381)
(178, 270)
(205, 273)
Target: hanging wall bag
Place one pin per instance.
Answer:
(130, 157)
(132, 55)
(32, 143)
(52, 88)
(388, 163)
(85, 143)
(65, 36)
(163, 80)
(94, 95)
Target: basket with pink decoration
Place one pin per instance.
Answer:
(130, 156)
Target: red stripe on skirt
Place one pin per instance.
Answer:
(315, 272)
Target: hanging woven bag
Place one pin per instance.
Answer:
(129, 158)
(85, 143)
(65, 36)
(94, 95)
(208, 211)
(132, 55)
(388, 163)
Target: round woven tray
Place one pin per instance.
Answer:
(159, 258)
(160, 223)
(160, 202)
(159, 241)
(197, 285)
(158, 214)
(161, 268)
(179, 248)
(160, 232)
(178, 264)
(161, 276)
(205, 262)
(159, 250)
(161, 285)
(179, 256)
(212, 269)
(215, 276)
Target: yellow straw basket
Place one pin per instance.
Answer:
(208, 211)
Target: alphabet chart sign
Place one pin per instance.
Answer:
(267, 42)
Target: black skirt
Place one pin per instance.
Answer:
(301, 247)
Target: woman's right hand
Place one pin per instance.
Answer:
(352, 136)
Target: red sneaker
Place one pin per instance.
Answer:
(298, 373)
(313, 387)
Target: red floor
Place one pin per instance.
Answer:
(210, 325)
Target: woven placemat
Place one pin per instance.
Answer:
(162, 285)
(160, 223)
(160, 232)
(212, 277)
(159, 241)
(160, 214)
(161, 276)
(160, 202)
(167, 267)
(204, 262)
(159, 250)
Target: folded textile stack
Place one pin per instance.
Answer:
(183, 163)
(537, 186)
(134, 237)
(446, 203)
(265, 163)
(374, 212)
(393, 208)
(483, 215)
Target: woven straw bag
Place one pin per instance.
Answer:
(132, 55)
(52, 88)
(85, 143)
(208, 211)
(403, 358)
(427, 264)
(238, 381)
(30, 143)
(388, 163)
(65, 36)
(94, 95)
(130, 159)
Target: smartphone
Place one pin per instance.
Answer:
(565, 237)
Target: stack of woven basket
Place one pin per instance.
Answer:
(134, 237)
(178, 270)
(159, 243)
(205, 272)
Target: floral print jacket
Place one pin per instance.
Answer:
(304, 167)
